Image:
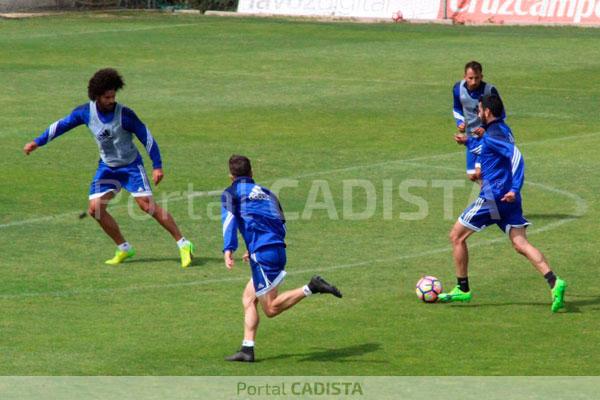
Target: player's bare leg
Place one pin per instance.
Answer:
(274, 304)
(251, 318)
(458, 237)
(518, 237)
(149, 206)
(186, 248)
(97, 210)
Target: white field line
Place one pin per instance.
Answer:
(136, 288)
(92, 32)
(580, 210)
(210, 193)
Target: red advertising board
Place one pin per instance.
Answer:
(572, 12)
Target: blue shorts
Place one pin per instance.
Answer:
(482, 213)
(132, 177)
(473, 159)
(268, 268)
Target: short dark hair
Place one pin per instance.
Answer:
(104, 80)
(493, 102)
(239, 166)
(475, 66)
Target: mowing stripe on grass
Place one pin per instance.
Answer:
(93, 32)
(209, 193)
(580, 210)
(136, 288)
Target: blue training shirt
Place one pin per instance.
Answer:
(255, 211)
(502, 165)
(129, 122)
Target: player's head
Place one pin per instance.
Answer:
(239, 166)
(103, 87)
(490, 108)
(473, 74)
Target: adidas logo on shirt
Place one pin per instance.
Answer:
(258, 194)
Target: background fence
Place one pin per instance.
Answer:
(54, 5)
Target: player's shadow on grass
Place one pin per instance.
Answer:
(196, 262)
(504, 304)
(343, 354)
(572, 305)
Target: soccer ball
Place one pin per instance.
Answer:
(428, 289)
(397, 16)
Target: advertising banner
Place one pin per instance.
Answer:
(572, 12)
(575, 12)
(410, 9)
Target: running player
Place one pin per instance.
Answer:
(257, 214)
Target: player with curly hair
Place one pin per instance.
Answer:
(120, 166)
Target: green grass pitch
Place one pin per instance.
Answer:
(311, 101)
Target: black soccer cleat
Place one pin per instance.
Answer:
(319, 285)
(246, 354)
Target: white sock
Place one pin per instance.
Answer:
(248, 343)
(182, 242)
(124, 246)
(306, 291)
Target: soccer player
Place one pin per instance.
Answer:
(120, 166)
(499, 202)
(467, 94)
(256, 212)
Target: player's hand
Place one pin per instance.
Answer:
(461, 128)
(157, 175)
(229, 261)
(29, 147)
(473, 177)
(476, 176)
(246, 257)
(509, 197)
(460, 138)
(478, 132)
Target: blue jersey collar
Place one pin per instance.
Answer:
(479, 88)
(496, 121)
(243, 179)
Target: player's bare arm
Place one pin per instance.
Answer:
(228, 257)
(29, 147)
(509, 197)
(461, 139)
(478, 131)
(157, 175)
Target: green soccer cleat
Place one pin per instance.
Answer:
(187, 254)
(455, 295)
(120, 256)
(558, 294)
